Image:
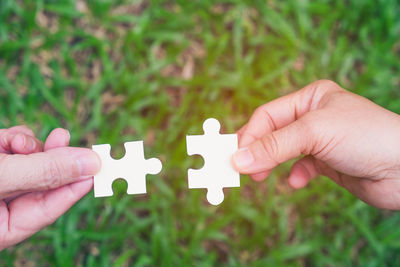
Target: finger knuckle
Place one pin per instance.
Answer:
(52, 175)
(262, 112)
(270, 146)
(259, 110)
(310, 130)
(326, 85)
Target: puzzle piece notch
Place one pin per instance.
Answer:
(133, 168)
(216, 150)
(211, 126)
(215, 196)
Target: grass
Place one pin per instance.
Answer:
(113, 71)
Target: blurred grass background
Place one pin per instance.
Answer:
(114, 71)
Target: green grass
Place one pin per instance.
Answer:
(113, 71)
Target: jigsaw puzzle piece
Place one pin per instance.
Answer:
(216, 150)
(133, 168)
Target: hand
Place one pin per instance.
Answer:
(344, 136)
(38, 183)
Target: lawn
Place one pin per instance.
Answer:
(116, 71)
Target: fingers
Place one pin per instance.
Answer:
(21, 129)
(34, 211)
(273, 116)
(57, 138)
(241, 131)
(12, 141)
(4, 220)
(258, 177)
(302, 172)
(279, 146)
(22, 140)
(46, 170)
(284, 110)
(25, 144)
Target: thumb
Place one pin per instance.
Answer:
(272, 149)
(46, 170)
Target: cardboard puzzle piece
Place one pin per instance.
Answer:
(217, 150)
(133, 168)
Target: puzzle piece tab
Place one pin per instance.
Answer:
(216, 149)
(133, 168)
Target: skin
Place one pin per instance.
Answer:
(340, 135)
(39, 182)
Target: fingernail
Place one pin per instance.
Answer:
(67, 135)
(30, 144)
(88, 163)
(243, 158)
(22, 139)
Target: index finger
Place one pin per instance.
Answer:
(283, 111)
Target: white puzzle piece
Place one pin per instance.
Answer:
(133, 168)
(217, 150)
